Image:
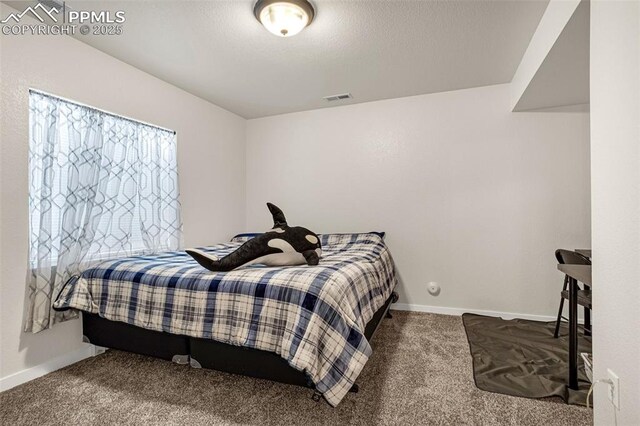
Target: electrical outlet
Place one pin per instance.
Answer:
(614, 389)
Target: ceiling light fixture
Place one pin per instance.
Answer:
(284, 18)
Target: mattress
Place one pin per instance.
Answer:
(312, 316)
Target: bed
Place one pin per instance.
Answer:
(308, 326)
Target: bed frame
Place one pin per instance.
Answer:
(204, 353)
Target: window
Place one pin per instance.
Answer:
(100, 186)
(101, 178)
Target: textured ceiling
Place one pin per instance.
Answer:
(373, 49)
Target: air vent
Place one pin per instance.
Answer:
(338, 97)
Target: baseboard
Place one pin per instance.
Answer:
(24, 376)
(460, 311)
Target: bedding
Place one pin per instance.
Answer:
(312, 316)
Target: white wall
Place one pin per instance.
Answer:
(471, 195)
(615, 165)
(550, 31)
(210, 160)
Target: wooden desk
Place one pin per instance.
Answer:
(581, 273)
(584, 252)
(575, 273)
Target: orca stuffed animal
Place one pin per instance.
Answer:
(283, 245)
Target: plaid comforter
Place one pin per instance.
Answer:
(312, 316)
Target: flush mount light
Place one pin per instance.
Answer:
(284, 18)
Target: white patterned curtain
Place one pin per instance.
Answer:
(100, 186)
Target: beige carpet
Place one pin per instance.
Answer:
(420, 373)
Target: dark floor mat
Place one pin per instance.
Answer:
(521, 358)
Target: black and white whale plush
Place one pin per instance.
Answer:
(283, 245)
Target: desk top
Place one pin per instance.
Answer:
(584, 252)
(581, 273)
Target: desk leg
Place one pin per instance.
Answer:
(573, 333)
(587, 317)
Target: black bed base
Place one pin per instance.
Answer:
(204, 353)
